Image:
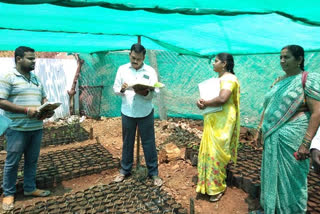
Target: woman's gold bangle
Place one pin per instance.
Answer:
(307, 134)
(306, 140)
(306, 143)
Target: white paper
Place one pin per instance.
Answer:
(4, 124)
(210, 89)
(315, 144)
(140, 86)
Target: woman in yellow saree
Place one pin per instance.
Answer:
(221, 131)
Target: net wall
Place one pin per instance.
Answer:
(181, 75)
(90, 100)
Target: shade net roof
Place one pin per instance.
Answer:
(199, 28)
(178, 35)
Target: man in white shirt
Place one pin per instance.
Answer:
(315, 151)
(137, 111)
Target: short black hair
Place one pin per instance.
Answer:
(20, 52)
(296, 51)
(138, 48)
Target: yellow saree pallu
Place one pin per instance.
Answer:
(219, 141)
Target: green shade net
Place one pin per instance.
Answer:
(181, 75)
(181, 36)
(306, 11)
(66, 42)
(197, 35)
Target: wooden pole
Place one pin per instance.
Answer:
(138, 135)
(91, 133)
(72, 91)
(160, 98)
(192, 206)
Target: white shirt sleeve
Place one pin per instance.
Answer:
(118, 82)
(315, 143)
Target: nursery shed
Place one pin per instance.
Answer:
(181, 36)
(80, 156)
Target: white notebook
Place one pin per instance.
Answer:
(49, 106)
(210, 89)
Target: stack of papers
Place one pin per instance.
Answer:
(210, 89)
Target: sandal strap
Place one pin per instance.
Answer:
(157, 181)
(8, 199)
(8, 203)
(216, 197)
(38, 192)
(119, 178)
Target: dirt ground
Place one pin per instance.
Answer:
(178, 174)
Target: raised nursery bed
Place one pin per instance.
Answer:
(58, 135)
(130, 196)
(66, 164)
(246, 174)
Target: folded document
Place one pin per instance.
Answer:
(210, 89)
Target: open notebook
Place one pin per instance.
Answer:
(208, 90)
(142, 86)
(49, 106)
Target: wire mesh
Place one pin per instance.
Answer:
(181, 75)
(90, 100)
